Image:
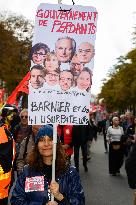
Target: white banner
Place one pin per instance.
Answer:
(62, 59)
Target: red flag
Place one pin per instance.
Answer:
(22, 87)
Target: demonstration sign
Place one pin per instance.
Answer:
(62, 60)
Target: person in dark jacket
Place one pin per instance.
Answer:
(15, 119)
(130, 167)
(104, 120)
(21, 131)
(92, 134)
(130, 135)
(80, 137)
(131, 130)
(34, 185)
(26, 147)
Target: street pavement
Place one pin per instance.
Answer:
(100, 188)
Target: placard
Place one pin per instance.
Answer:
(62, 60)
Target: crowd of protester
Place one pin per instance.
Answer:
(119, 137)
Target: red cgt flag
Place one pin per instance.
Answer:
(22, 87)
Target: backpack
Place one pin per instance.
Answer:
(130, 167)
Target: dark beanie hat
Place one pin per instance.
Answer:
(43, 131)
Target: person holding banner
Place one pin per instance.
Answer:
(34, 185)
(38, 53)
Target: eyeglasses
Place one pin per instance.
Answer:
(40, 54)
(84, 50)
(24, 116)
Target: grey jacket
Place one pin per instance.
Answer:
(26, 147)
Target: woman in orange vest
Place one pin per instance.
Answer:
(7, 153)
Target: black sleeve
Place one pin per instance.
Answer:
(6, 155)
(130, 167)
(63, 201)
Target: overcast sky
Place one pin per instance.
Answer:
(116, 20)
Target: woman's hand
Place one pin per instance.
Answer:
(54, 188)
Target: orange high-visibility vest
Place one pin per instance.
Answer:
(3, 136)
(5, 178)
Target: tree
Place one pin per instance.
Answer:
(119, 91)
(15, 38)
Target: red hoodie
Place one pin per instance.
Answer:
(65, 134)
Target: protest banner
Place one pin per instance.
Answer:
(62, 60)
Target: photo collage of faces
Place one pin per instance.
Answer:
(65, 69)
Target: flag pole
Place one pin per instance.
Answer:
(59, 1)
(54, 155)
(54, 145)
